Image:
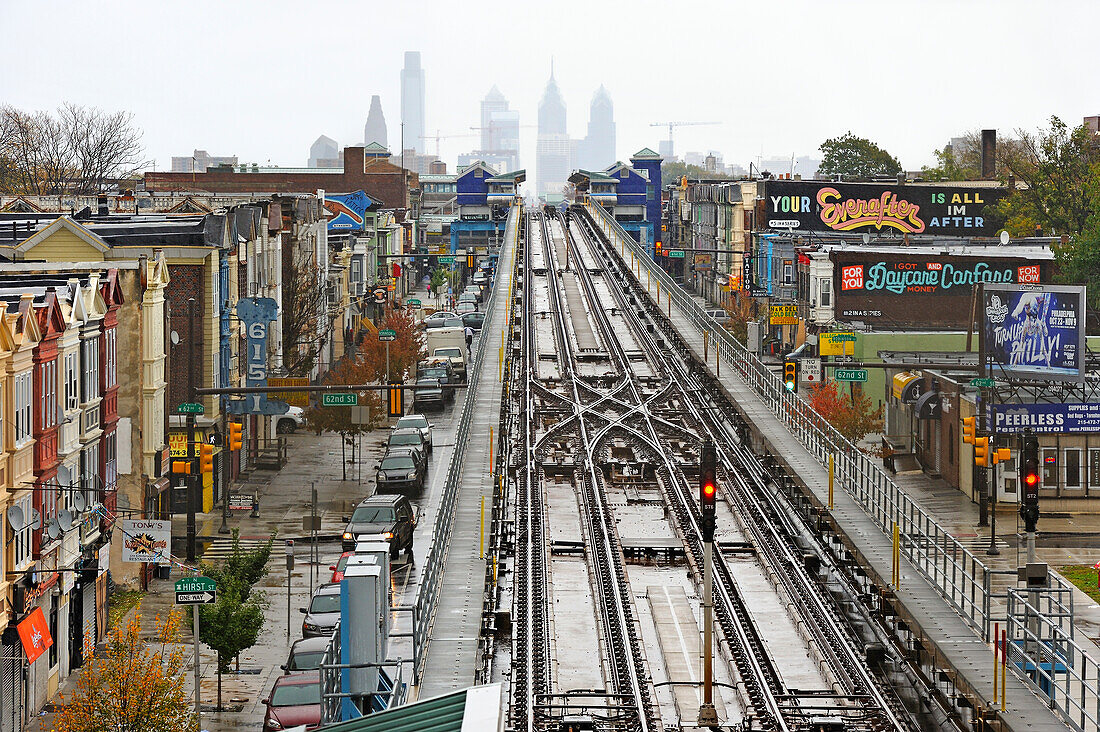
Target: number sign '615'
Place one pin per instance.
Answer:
(257, 358)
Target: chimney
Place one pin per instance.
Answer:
(989, 154)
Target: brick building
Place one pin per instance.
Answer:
(365, 168)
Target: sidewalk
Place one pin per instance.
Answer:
(284, 501)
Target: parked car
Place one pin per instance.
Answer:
(306, 654)
(288, 423)
(427, 394)
(403, 468)
(435, 320)
(340, 566)
(417, 422)
(295, 700)
(718, 314)
(389, 515)
(323, 612)
(473, 320)
(464, 308)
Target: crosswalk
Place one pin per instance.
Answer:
(222, 547)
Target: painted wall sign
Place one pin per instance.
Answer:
(921, 290)
(1045, 417)
(1035, 331)
(874, 207)
(347, 211)
(256, 313)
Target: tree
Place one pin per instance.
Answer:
(741, 311)
(960, 161)
(673, 170)
(851, 415)
(856, 158)
(75, 150)
(230, 625)
(305, 302)
(134, 685)
(241, 569)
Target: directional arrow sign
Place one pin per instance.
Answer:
(412, 302)
(842, 338)
(196, 598)
(387, 335)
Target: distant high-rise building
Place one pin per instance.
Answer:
(375, 128)
(597, 150)
(493, 104)
(325, 153)
(412, 102)
(554, 150)
(200, 161)
(499, 134)
(664, 149)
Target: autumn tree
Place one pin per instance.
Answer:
(852, 415)
(855, 158)
(133, 685)
(304, 306)
(741, 311)
(960, 159)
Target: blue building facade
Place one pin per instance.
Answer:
(631, 192)
(483, 199)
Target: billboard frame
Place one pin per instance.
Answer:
(998, 368)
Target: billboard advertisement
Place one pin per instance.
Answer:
(877, 207)
(1035, 331)
(347, 211)
(146, 540)
(1064, 418)
(914, 290)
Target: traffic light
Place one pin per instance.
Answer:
(206, 457)
(1000, 455)
(981, 451)
(470, 259)
(181, 467)
(397, 395)
(790, 374)
(235, 440)
(968, 430)
(708, 488)
(1029, 478)
(658, 250)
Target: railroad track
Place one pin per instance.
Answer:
(609, 375)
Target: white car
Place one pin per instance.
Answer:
(417, 422)
(288, 423)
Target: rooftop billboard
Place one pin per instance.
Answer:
(1035, 331)
(875, 207)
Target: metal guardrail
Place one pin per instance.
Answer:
(332, 672)
(963, 579)
(1041, 649)
(434, 566)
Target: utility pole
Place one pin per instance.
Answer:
(192, 446)
(708, 490)
(979, 473)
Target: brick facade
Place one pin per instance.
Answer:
(376, 176)
(187, 281)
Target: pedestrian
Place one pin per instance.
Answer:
(469, 338)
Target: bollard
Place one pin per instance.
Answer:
(706, 344)
(491, 453)
(1004, 664)
(481, 549)
(831, 461)
(996, 659)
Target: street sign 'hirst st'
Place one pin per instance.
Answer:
(196, 591)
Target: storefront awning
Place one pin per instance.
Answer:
(906, 387)
(928, 405)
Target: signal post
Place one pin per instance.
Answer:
(708, 490)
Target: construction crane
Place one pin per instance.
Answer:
(672, 125)
(437, 137)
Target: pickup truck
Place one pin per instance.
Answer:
(448, 343)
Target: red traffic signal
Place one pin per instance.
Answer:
(708, 488)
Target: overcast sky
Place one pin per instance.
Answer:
(261, 80)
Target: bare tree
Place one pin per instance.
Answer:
(77, 150)
(305, 301)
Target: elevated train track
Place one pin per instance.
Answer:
(611, 375)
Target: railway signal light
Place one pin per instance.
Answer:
(1029, 478)
(235, 440)
(790, 374)
(708, 488)
(969, 430)
(981, 451)
(206, 458)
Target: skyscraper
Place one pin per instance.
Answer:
(597, 150)
(375, 128)
(324, 153)
(493, 103)
(499, 133)
(412, 102)
(554, 149)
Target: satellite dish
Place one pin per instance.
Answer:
(175, 338)
(16, 519)
(79, 501)
(1005, 237)
(53, 529)
(63, 475)
(866, 238)
(36, 520)
(65, 519)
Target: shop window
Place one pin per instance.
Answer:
(1073, 468)
(1094, 468)
(1050, 468)
(1010, 473)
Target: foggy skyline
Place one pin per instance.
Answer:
(908, 76)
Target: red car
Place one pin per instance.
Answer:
(338, 568)
(295, 700)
